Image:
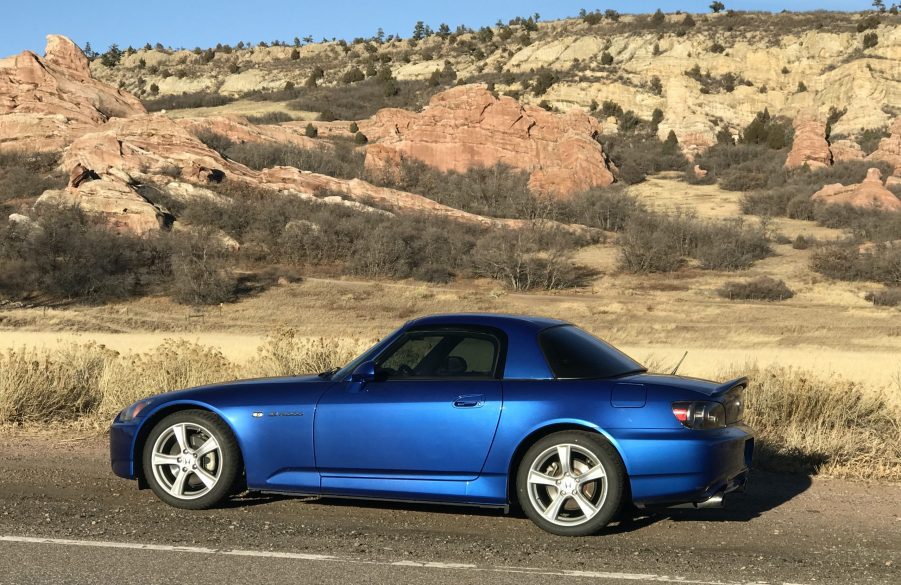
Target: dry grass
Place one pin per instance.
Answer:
(805, 423)
(91, 383)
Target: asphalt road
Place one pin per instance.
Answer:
(64, 518)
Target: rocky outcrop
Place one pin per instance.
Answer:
(113, 201)
(871, 194)
(809, 147)
(467, 127)
(889, 149)
(45, 101)
(845, 150)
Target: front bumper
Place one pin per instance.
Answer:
(684, 466)
(121, 447)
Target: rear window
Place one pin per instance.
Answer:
(573, 353)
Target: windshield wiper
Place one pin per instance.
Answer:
(328, 373)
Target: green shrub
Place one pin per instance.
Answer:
(270, 118)
(310, 131)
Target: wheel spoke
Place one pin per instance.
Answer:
(553, 509)
(208, 480)
(180, 436)
(587, 507)
(208, 446)
(596, 472)
(538, 478)
(564, 453)
(164, 459)
(178, 484)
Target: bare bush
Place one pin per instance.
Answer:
(763, 288)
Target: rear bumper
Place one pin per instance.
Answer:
(684, 466)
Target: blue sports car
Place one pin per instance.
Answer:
(482, 410)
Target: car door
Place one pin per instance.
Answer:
(431, 413)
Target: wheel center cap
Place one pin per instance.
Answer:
(568, 485)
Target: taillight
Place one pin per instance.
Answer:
(700, 414)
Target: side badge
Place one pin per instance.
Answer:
(258, 415)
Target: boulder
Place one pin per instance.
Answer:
(116, 203)
(845, 150)
(870, 194)
(45, 101)
(467, 127)
(889, 149)
(810, 146)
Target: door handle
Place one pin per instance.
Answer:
(470, 401)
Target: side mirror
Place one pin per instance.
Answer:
(365, 372)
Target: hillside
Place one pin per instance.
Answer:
(705, 72)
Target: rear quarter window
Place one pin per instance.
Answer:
(573, 353)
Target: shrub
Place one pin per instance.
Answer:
(763, 288)
(543, 81)
(890, 297)
(187, 101)
(353, 75)
(802, 242)
(275, 117)
(653, 242)
(640, 153)
(360, 138)
(498, 191)
(310, 131)
(880, 263)
(24, 175)
(72, 256)
(609, 209)
(870, 40)
(527, 260)
(362, 99)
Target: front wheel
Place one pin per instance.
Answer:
(571, 483)
(191, 460)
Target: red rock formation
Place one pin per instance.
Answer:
(871, 194)
(809, 147)
(44, 102)
(845, 150)
(117, 203)
(889, 149)
(468, 127)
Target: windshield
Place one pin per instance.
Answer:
(367, 355)
(574, 353)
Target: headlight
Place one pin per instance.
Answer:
(133, 411)
(700, 415)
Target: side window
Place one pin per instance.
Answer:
(438, 355)
(406, 358)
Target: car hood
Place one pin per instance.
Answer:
(244, 386)
(699, 385)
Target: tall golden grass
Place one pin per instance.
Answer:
(805, 422)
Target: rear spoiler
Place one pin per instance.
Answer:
(726, 387)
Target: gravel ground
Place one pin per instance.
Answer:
(784, 529)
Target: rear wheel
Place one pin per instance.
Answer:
(571, 483)
(191, 460)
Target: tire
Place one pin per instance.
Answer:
(191, 460)
(555, 498)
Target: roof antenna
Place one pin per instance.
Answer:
(676, 369)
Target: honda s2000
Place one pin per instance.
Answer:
(482, 410)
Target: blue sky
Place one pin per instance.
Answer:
(203, 23)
